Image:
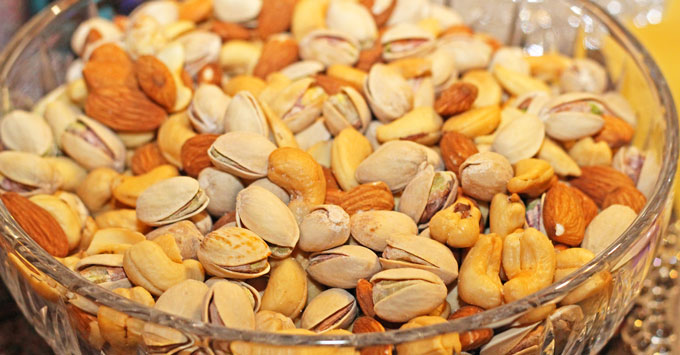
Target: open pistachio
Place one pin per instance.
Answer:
(343, 266)
(93, 145)
(372, 228)
(207, 109)
(406, 40)
(243, 154)
(302, 69)
(353, 19)
(171, 200)
(388, 93)
(469, 52)
(329, 47)
(228, 304)
(584, 74)
(244, 113)
(200, 48)
(402, 294)
(428, 193)
(235, 253)
(299, 104)
(237, 11)
(221, 188)
(331, 309)
(27, 174)
(187, 237)
(325, 227)
(346, 109)
(26, 132)
(411, 251)
(106, 29)
(105, 270)
(253, 295)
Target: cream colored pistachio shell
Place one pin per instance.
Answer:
(26, 132)
(511, 58)
(353, 19)
(324, 227)
(239, 57)
(569, 125)
(505, 341)
(113, 240)
(427, 193)
(404, 250)
(404, 10)
(299, 104)
(243, 154)
(107, 29)
(584, 74)
(263, 213)
(207, 109)
(468, 52)
(395, 163)
(235, 253)
(574, 101)
(237, 11)
(254, 298)
(244, 113)
(406, 40)
(422, 125)
(388, 93)
(163, 11)
(171, 136)
(315, 133)
(518, 83)
(343, 266)
(59, 115)
(184, 299)
(346, 109)
(402, 294)
(372, 228)
(70, 173)
(171, 200)
(620, 107)
(93, 145)
(521, 139)
(221, 188)
(227, 304)
(200, 48)
(330, 47)
(348, 150)
(105, 270)
(68, 219)
(27, 174)
(302, 69)
(444, 70)
(331, 309)
(423, 91)
(187, 237)
(533, 102)
(76, 205)
(273, 188)
(445, 15)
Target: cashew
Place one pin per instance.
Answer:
(119, 329)
(457, 225)
(532, 177)
(132, 186)
(478, 280)
(147, 265)
(568, 261)
(96, 189)
(506, 214)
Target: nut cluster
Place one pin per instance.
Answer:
(321, 166)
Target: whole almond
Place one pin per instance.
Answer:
(330, 84)
(211, 73)
(590, 209)
(195, 10)
(473, 339)
(370, 56)
(277, 53)
(156, 81)
(615, 132)
(563, 215)
(275, 16)
(366, 324)
(457, 98)
(627, 196)
(110, 52)
(229, 31)
(124, 109)
(366, 197)
(381, 18)
(99, 74)
(364, 293)
(455, 148)
(37, 223)
(145, 158)
(194, 153)
(331, 182)
(598, 181)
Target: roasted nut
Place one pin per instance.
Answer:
(349, 149)
(478, 281)
(532, 177)
(456, 98)
(472, 339)
(331, 309)
(393, 291)
(286, 291)
(372, 228)
(446, 343)
(483, 175)
(325, 227)
(343, 266)
(506, 214)
(598, 181)
(457, 225)
(570, 260)
(223, 253)
(475, 122)
(404, 250)
(607, 226)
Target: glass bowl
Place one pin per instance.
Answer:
(62, 306)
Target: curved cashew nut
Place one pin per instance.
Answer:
(479, 282)
(567, 261)
(457, 225)
(507, 213)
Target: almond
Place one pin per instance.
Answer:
(598, 181)
(93, 36)
(457, 30)
(195, 10)
(146, 158)
(370, 56)
(187, 80)
(99, 74)
(156, 81)
(627, 196)
(455, 148)
(563, 215)
(366, 197)
(329, 84)
(331, 183)
(275, 16)
(366, 324)
(615, 132)
(194, 153)
(364, 293)
(225, 219)
(590, 209)
(211, 73)
(277, 53)
(37, 223)
(473, 339)
(110, 52)
(124, 109)
(229, 31)
(381, 18)
(456, 98)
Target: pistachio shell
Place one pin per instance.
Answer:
(353, 19)
(107, 29)
(235, 253)
(207, 109)
(324, 227)
(332, 309)
(286, 290)
(59, 115)
(372, 228)
(171, 200)
(387, 92)
(273, 188)
(228, 304)
(221, 188)
(26, 132)
(243, 154)
(421, 125)
(406, 40)
(346, 109)
(163, 11)
(343, 266)
(200, 48)
(245, 114)
(26, 173)
(187, 237)
(422, 198)
(299, 104)
(70, 173)
(402, 294)
(302, 69)
(404, 250)
(105, 270)
(521, 139)
(468, 52)
(329, 47)
(404, 11)
(237, 11)
(572, 125)
(584, 74)
(395, 163)
(78, 141)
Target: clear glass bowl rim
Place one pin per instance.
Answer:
(29, 250)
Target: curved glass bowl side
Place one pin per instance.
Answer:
(39, 52)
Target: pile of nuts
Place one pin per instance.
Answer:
(321, 166)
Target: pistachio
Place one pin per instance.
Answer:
(388, 93)
(27, 174)
(302, 69)
(372, 228)
(421, 125)
(406, 40)
(105, 270)
(353, 19)
(518, 83)
(410, 251)
(228, 304)
(26, 132)
(244, 113)
(395, 163)
(483, 175)
(343, 266)
(468, 52)
(186, 234)
(346, 109)
(299, 104)
(329, 47)
(207, 109)
(93, 145)
(221, 188)
(200, 48)
(428, 193)
(584, 74)
(171, 200)
(331, 309)
(237, 11)
(402, 294)
(129, 188)
(273, 188)
(243, 154)
(325, 227)
(235, 253)
(521, 139)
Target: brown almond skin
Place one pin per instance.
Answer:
(366, 197)
(330, 84)
(99, 74)
(37, 223)
(455, 99)
(276, 16)
(146, 158)
(455, 148)
(381, 18)
(156, 81)
(627, 196)
(124, 109)
(110, 52)
(563, 206)
(276, 55)
(211, 73)
(366, 324)
(589, 207)
(598, 181)
(194, 153)
(370, 56)
(331, 182)
(228, 31)
(364, 294)
(615, 132)
(227, 218)
(473, 339)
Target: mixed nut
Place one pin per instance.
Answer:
(320, 166)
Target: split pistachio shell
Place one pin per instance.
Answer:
(105, 270)
(421, 125)
(113, 240)
(303, 69)
(468, 52)
(353, 19)
(263, 213)
(171, 200)
(343, 266)
(299, 104)
(59, 115)
(404, 11)
(388, 93)
(331, 309)
(411, 251)
(395, 163)
(243, 154)
(93, 145)
(324, 227)
(520, 139)
(584, 74)
(244, 113)
(406, 40)
(346, 109)
(235, 253)
(372, 228)
(572, 125)
(286, 290)
(227, 304)
(402, 294)
(329, 47)
(273, 188)
(221, 188)
(237, 11)
(107, 29)
(187, 237)
(253, 295)
(428, 193)
(27, 174)
(505, 341)
(207, 109)
(26, 132)
(482, 175)
(200, 48)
